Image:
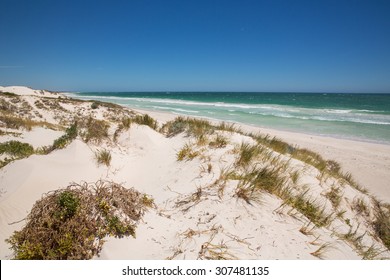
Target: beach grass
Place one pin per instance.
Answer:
(103, 157)
(145, 120)
(186, 153)
(246, 153)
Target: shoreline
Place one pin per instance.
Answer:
(369, 163)
(347, 122)
(214, 193)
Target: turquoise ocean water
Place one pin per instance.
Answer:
(351, 116)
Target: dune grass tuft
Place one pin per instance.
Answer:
(103, 157)
(219, 141)
(309, 208)
(381, 223)
(145, 120)
(246, 153)
(334, 196)
(186, 153)
(192, 127)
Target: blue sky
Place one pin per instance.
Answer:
(145, 45)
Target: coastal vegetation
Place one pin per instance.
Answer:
(72, 223)
(103, 157)
(234, 166)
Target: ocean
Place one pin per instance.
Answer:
(363, 117)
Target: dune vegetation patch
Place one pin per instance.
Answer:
(72, 223)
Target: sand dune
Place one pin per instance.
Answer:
(201, 212)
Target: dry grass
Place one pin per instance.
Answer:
(249, 194)
(320, 252)
(94, 130)
(71, 223)
(334, 196)
(15, 122)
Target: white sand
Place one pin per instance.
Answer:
(182, 227)
(369, 163)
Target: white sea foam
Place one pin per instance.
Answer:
(273, 110)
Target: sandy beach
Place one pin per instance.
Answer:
(368, 162)
(205, 207)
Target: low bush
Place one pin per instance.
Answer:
(16, 149)
(72, 223)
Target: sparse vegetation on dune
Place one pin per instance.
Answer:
(186, 153)
(15, 122)
(192, 127)
(72, 223)
(16, 149)
(145, 120)
(246, 153)
(8, 94)
(252, 169)
(381, 223)
(94, 130)
(219, 141)
(103, 157)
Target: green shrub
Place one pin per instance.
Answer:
(72, 223)
(64, 140)
(16, 149)
(69, 204)
(8, 94)
(94, 105)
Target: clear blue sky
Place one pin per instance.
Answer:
(264, 45)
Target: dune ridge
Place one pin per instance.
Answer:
(220, 191)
